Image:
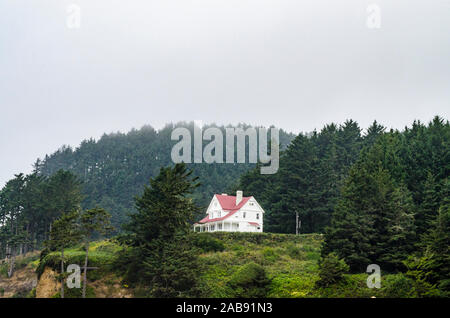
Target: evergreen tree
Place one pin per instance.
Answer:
(65, 232)
(331, 270)
(373, 221)
(295, 179)
(428, 209)
(161, 255)
(373, 132)
(431, 271)
(92, 221)
(64, 192)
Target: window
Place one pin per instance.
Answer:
(257, 216)
(251, 204)
(243, 215)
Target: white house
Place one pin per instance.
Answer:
(232, 214)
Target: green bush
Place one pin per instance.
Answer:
(292, 285)
(207, 243)
(294, 251)
(331, 270)
(397, 286)
(269, 255)
(76, 292)
(4, 270)
(96, 259)
(267, 238)
(24, 261)
(250, 281)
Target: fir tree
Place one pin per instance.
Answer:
(428, 209)
(162, 256)
(373, 221)
(65, 232)
(92, 221)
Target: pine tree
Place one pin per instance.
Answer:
(373, 132)
(92, 221)
(161, 255)
(431, 271)
(65, 232)
(373, 221)
(428, 209)
(296, 177)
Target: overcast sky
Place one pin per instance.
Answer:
(295, 64)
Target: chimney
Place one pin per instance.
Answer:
(224, 194)
(238, 197)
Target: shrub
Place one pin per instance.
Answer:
(331, 270)
(96, 259)
(250, 281)
(76, 292)
(294, 251)
(397, 286)
(4, 270)
(24, 261)
(269, 255)
(292, 285)
(208, 243)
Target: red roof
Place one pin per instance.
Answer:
(228, 203)
(253, 223)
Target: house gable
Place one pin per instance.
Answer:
(252, 205)
(214, 206)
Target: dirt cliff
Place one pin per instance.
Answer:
(48, 284)
(20, 284)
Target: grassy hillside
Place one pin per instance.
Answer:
(290, 263)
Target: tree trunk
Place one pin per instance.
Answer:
(62, 272)
(11, 263)
(85, 270)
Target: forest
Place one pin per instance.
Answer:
(115, 168)
(378, 197)
(381, 197)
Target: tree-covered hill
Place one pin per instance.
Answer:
(380, 198)
(315, 171)
(115, 168)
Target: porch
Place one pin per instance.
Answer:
(217, 226)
